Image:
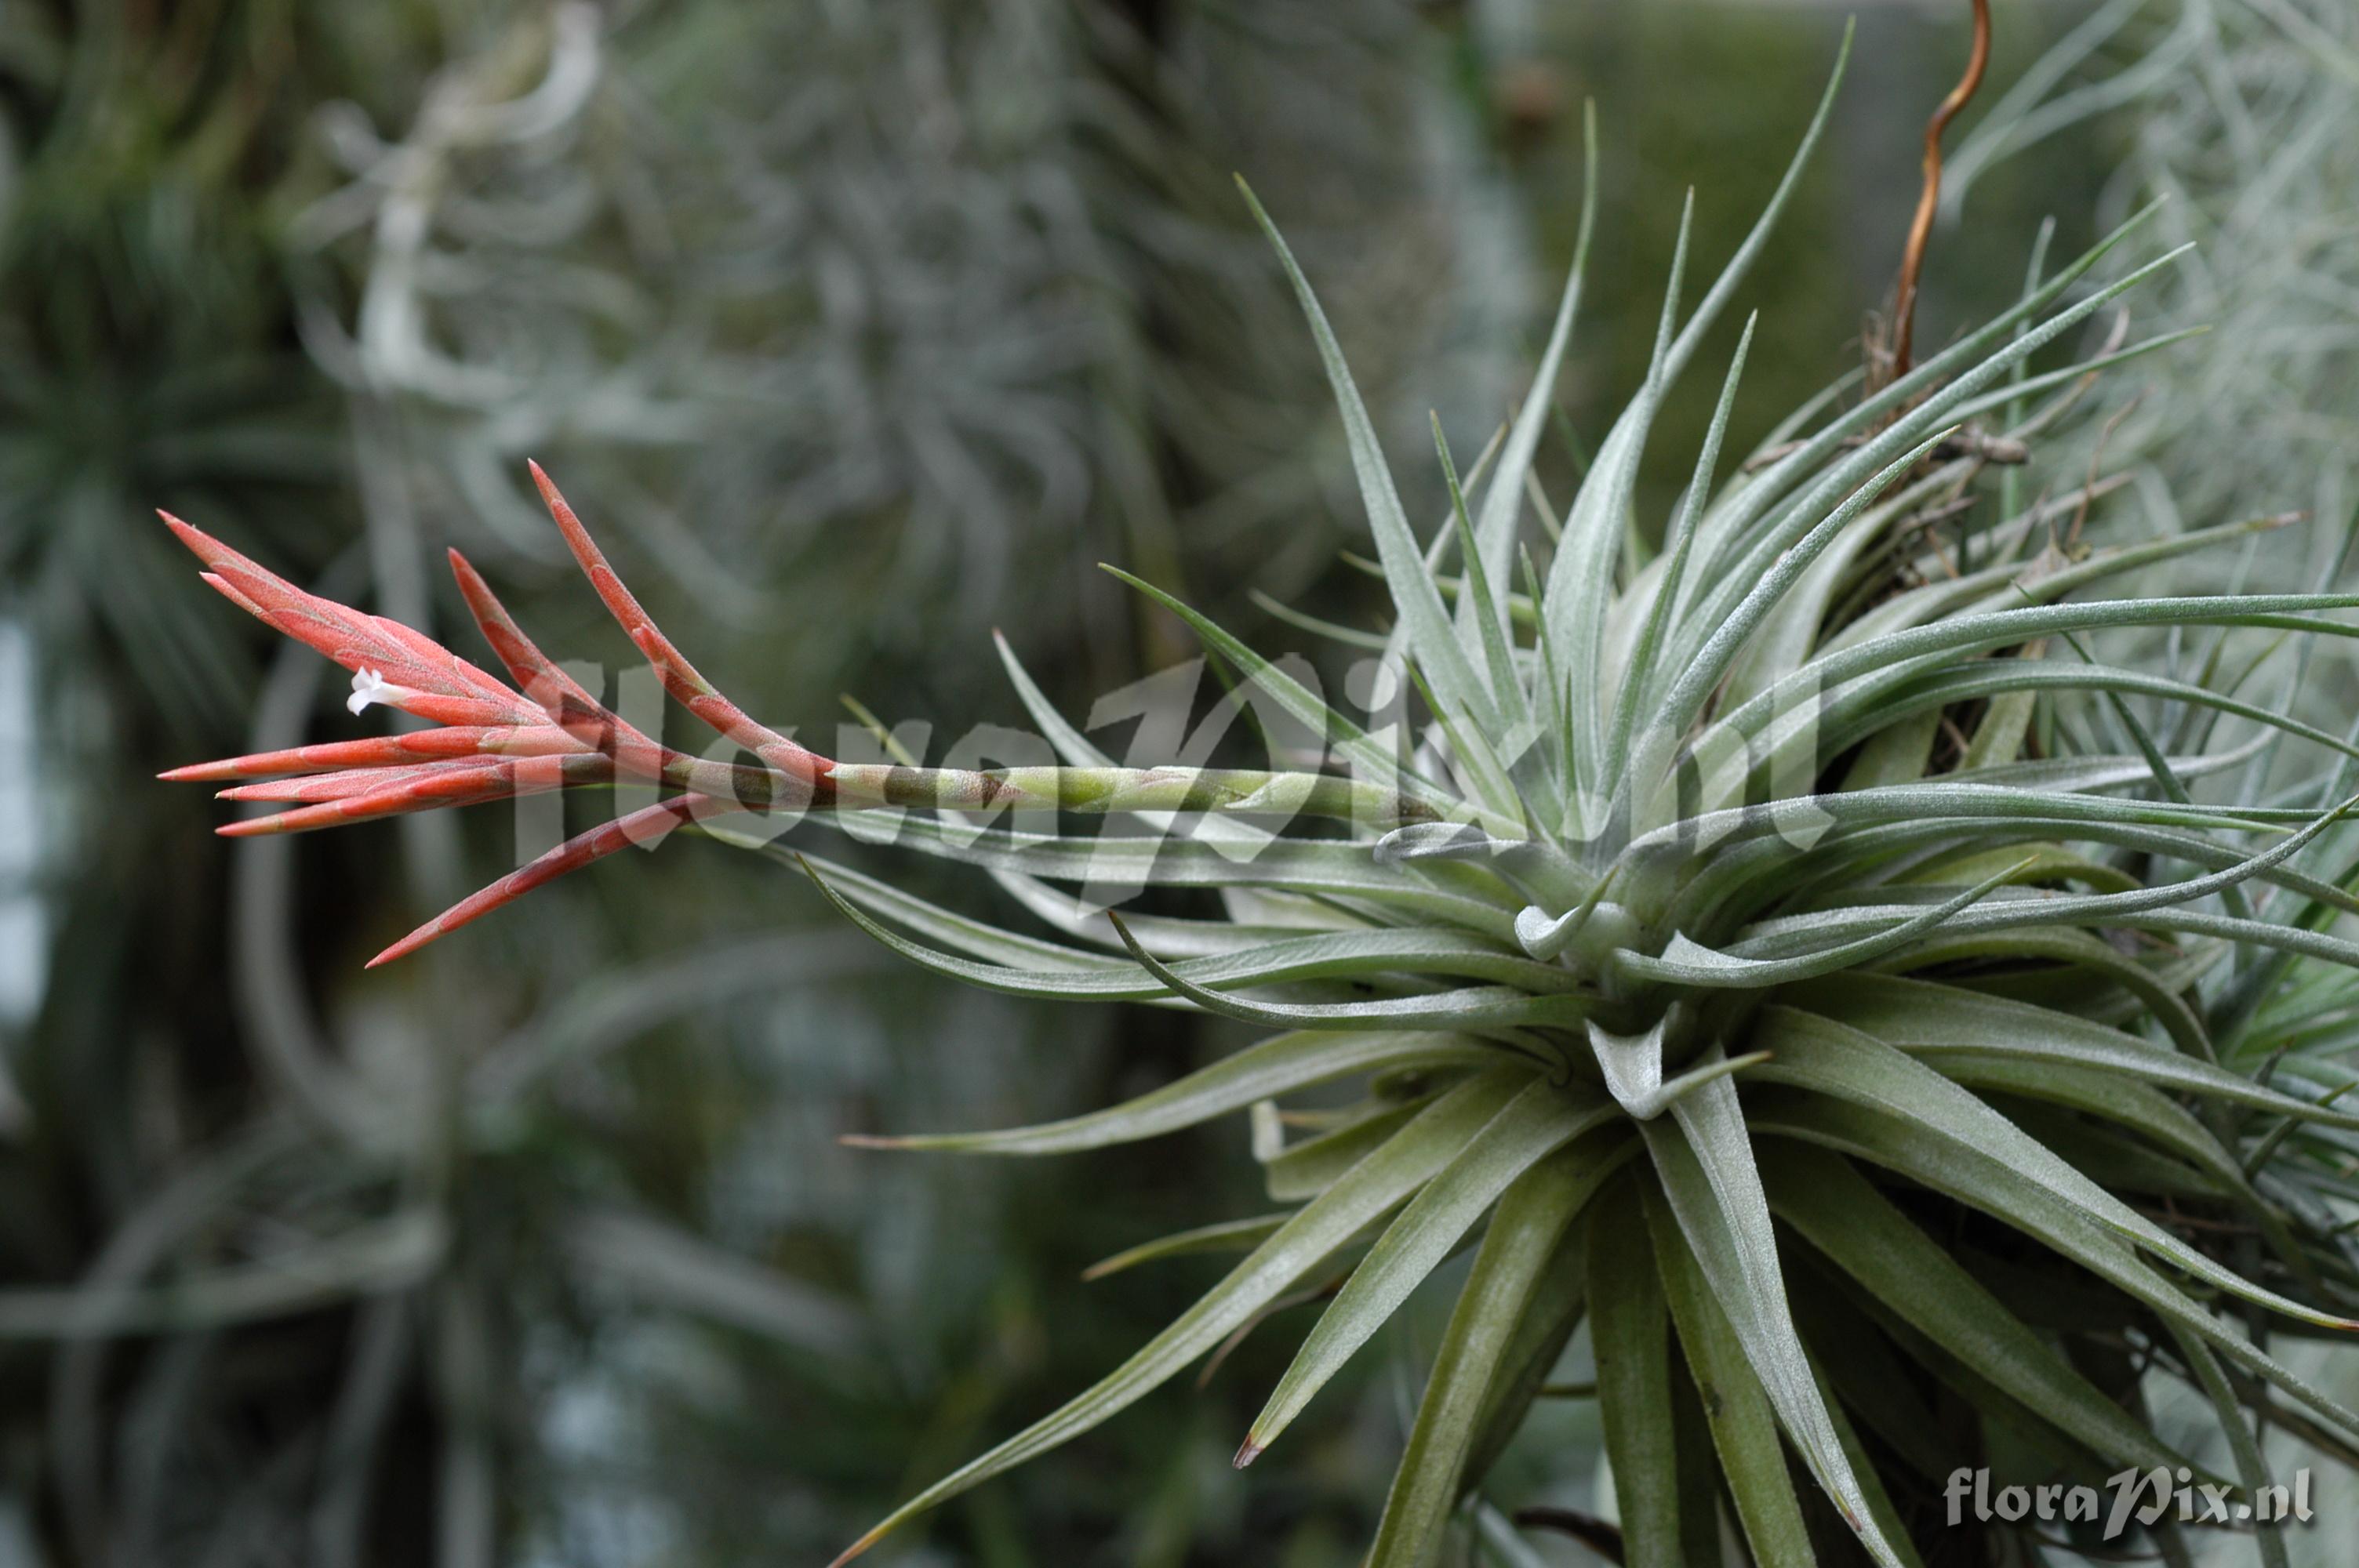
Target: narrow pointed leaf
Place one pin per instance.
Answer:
(1703, 1158)
(1841, 1214)
(1413, 1157)
(1630, 1338)
(1534, 1214)
(1538, 1122)
(1283, 1064)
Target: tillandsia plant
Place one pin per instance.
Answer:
(1791, 952)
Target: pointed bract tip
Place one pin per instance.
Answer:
(261, 827)
(406, 946)
(1247, 1454)
(871, 1141)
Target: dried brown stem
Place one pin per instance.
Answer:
(1603, 1539)
(1968, 442)
(1912, 260)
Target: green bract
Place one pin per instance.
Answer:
(1720, 968)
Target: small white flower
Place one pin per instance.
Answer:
(369, 686)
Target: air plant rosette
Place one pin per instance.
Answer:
(1713, 954)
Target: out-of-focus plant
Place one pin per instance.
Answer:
(904, 303)
(144, 351)
(1752, 932)
(2242, 116)
(122, 156)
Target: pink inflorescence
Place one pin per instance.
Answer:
(491, 741)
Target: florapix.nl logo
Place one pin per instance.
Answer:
(2133, 1497)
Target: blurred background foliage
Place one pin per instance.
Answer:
(857, 330)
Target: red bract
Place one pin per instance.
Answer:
(494, 741)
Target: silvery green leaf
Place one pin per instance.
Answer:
(1816, 1054)
(1468, 1008)
(1502, 1293)
(1703, 1159)
(1742, 1417)
(1405, 1162)
(1928, 1019)
(1535, 1124)
(1227, 1236)
(1432, 641)
(1841, 1214)
(1630, 1338)
(1993, 1184)
(1280, 1065)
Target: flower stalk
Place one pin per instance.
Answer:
(494, 741)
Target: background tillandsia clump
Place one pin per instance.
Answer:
(282, 237)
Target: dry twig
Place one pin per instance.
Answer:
(1912, 261)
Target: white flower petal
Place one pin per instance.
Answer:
(369, 687)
